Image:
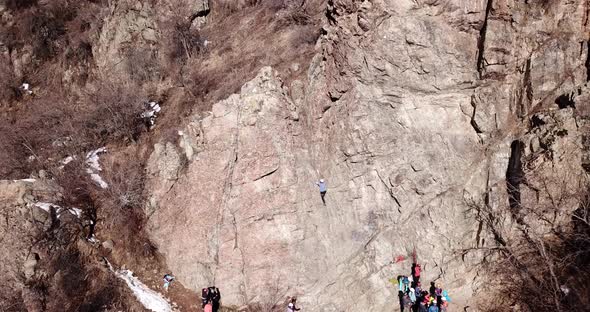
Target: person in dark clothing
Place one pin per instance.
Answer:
(204, 296)
(432, 289)
(438, 291)
(292, 306)
(215, 297)
(419, 299)
(401, 300)
(323, 190)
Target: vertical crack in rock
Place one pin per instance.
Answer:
(473, 122)
(227, 189)
(566, 100)
(525, 97)
(331, 12)
(202, 13)
(514, 176)
(243, 264)
(481, 40)
(478, 240)
(587, 63)
(528, 86)
(390, 191)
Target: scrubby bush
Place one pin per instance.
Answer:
(528, 272)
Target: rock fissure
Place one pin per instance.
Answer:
(481, 41)
(266, 174)
(514, 176)
(227, 188)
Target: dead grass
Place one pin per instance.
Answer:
(71, 114)
(240, 38)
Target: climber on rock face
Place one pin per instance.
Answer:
(323, 189)
(167, 281)
(292, 305)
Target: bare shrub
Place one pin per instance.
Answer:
(185, 43)
(272, 299)
(142, 65)
(113, 113)
(532, 272)
(49, 27)
(7, 83)
(20, 4)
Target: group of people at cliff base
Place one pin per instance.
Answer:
(211, 299)
(415, 298)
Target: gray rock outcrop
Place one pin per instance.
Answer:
(21, 224)
(409, 114)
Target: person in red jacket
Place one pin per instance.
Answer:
(416, 270)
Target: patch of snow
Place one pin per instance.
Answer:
(61, 142)
(25, 180)
(92, 158)
(147, 114)
(151, 113)
(155, 107)
(94, 166)
(150, 299)
(58, 209)
(93, 239)
(26, 88)
(68, 160)
(76, 212)
(46, 206)
(180, 133)
(98, 179)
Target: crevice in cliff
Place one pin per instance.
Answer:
(243, 285)
(473, 122)
(202, 13)
(227, 189)
(528, 88)
(482, 38)
(390, 191)
(587, 63)
(331, 12)
(525, 96)
(514, 177)
(266, 174)
(478, 240)
(565, 100)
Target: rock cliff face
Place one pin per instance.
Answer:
(416, 113)
(22, 222)
(412, 112)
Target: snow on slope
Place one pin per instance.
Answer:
(150, 299)
(94, 167)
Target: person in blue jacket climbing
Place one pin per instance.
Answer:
(323, 189)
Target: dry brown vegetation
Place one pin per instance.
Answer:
(532, 272)
(241, 37)
(76, 108)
